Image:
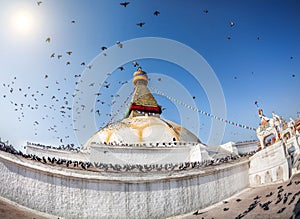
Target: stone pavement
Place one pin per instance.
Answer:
(280, 200)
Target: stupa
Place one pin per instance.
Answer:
(142, 136)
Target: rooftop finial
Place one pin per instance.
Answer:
(143, 103)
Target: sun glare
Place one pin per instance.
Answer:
(23, 22)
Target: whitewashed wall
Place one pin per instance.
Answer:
(246, 147)
(144, 154)
(269, 165)
(81, 194)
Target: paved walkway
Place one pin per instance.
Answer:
(274, 201)
(11, 210)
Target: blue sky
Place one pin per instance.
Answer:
(260, 61)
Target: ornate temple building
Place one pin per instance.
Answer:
(144, 166)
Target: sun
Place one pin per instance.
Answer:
(22, 22)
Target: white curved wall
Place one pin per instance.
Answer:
(269, 165)
(147, 154)
(82, 194)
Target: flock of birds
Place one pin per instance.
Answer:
(61, 101)
(58, 106)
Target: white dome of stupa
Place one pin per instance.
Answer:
(140, 130)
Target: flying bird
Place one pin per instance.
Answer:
(48, 40)
(121, 68)
(69, 53)
(39, 3)
(52, 55)
(103, 48)
(135, 64)
(82, 63)
(156, 13)
(124, 4)
(231, 23)
(73, 22)
(140, 24)
(229, 37)
(59, 56)
(205, 11)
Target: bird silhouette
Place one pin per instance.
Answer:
(104, 48)
(135, 64)
(205, 11)
(48, 40)
(39, 3)
(124, 4)
(69, 53)
(231, 23)
(140, 24)
(156, 13)
(121, 68)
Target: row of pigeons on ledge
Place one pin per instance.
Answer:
(68, 147)
(125, 167)
(174, 143)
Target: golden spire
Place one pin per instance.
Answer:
(143, 102)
